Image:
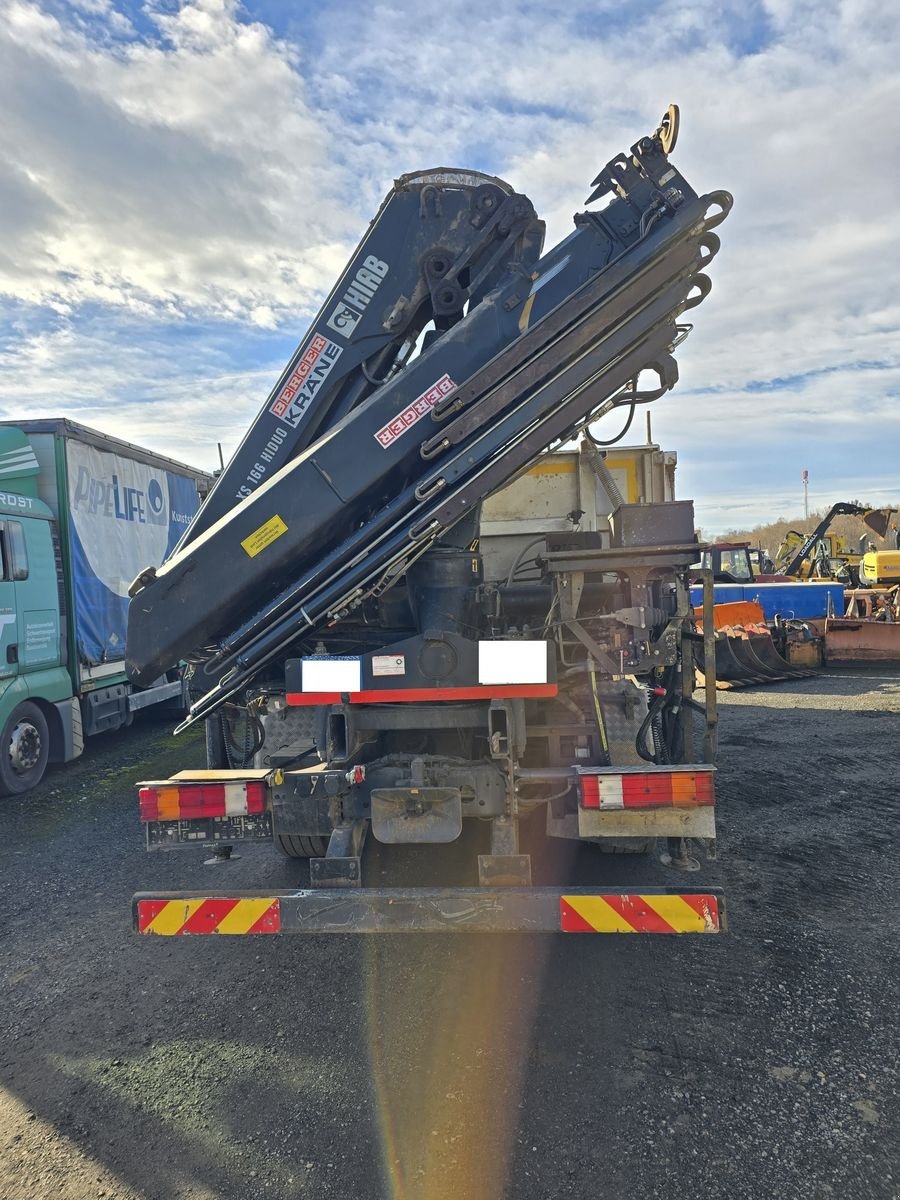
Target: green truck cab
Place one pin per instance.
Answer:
(81, 514)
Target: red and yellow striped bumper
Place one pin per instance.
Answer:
(434, 910)
(209, 914)
(640, 913)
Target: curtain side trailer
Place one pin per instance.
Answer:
(80, 513)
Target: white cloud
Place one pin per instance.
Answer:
(139, 388)
(210, 169)
(183, 175)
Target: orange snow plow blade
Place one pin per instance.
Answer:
(857, 639)
(736, 612)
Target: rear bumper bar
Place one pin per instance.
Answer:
(432, 910)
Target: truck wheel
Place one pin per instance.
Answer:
(24, 750)
(294, 845)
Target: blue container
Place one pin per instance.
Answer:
(800, 601)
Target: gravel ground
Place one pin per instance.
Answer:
(759, 1064)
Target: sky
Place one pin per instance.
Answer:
(182, 183)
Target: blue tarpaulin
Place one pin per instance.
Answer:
(125, 516)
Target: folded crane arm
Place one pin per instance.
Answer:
(381, 453)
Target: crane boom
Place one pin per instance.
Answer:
(378, 473)
(439, 241)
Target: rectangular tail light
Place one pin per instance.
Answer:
(191, 801)
(651, 787)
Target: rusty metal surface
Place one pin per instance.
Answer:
(851, 639)
(652, 525)
(408, 815)
(746, 656)
(805, 653)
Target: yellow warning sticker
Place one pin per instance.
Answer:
(264, 536)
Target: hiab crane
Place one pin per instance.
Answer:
(359, 667)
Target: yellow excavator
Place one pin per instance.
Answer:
(824, 555)
(880, 568)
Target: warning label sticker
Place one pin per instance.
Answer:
(388, 664)
(264, 536)
(305, 380)
(420, 406)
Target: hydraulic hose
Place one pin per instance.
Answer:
(659, 699)
(653, 709)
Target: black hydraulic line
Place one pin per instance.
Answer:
(659, 739)
(653, 709)
(653, 721)
(674, 732)
(640, 741)
(601, 442)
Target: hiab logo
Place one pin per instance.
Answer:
(355, 300)
(343, 320)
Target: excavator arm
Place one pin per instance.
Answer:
(877, 519)
(382, 452)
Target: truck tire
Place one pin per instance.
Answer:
(24, 749)
(295, 845)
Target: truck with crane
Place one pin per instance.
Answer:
(396, 628)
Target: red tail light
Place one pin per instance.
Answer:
(651, 787)
(187, 801)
